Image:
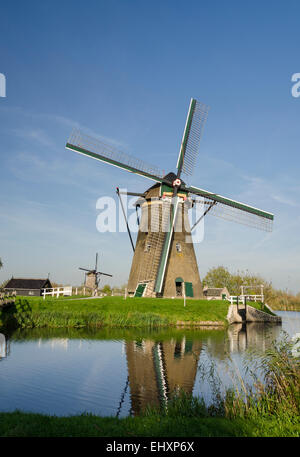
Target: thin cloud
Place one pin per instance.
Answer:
(36, 135)
(285, 201)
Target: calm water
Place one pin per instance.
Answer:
(119, 372)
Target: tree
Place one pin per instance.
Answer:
(1, 264)
(221, 277)
(106, 289)
(218, 277)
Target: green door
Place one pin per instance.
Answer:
(189, 289)
(140, 290)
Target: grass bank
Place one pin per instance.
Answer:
(261, 307)
(34, 312)
(20, 424)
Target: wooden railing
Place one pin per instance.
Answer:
(235, 299)
(57, 291)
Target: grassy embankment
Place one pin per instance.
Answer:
(261, 307)
(19, 424)
(271, 410)
(33, 312)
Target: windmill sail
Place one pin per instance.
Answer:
(233, 210)
(195, 121)
(96, 149)
(156, 251)
(196, 118)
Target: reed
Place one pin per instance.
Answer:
(270, 408)
(278, 394)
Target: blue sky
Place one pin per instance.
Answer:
(126, 70)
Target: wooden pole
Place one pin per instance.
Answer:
(124, 214)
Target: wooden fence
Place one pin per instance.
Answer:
(235, 299)
(57, 291)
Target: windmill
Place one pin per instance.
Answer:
(164, 262)
(92, 277)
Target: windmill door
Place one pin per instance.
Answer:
(189, 289)
(179, 283)
(140, 290)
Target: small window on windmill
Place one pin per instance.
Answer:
(147, 247)
(178, 247)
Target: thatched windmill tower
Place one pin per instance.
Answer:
(182, 275)
(92, 277)
(164, 263)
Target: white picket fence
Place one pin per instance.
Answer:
(57, 291)
(241, 298)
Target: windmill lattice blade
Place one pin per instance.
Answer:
(235, 211)
(189, 149)
(166, 247)
(96, 149)
(85, 269)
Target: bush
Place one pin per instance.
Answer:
(22, 313)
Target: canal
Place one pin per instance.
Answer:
(118, 372)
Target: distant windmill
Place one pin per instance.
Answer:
(164, 262)
(92, 277)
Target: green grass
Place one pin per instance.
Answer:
(261, 307)
(185, 417)
(115, 311)
(18, 424)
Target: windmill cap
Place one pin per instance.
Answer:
(172, 176)
(169, 177)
